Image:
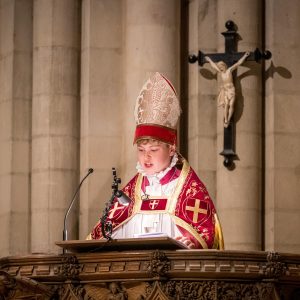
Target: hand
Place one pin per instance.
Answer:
(185, 240)
(247, 53)
(207, 58)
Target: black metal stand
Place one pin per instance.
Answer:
(106, 226)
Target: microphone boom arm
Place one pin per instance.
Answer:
(65, 232)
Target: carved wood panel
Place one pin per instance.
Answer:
(151, 275)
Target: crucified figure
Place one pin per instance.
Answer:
(226, 96)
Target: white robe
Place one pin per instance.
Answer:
(152, 224)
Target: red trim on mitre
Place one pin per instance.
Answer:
(161, 133)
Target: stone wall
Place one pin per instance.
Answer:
(15, 125)
(70, 72)
(282, 129)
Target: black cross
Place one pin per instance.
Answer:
(230, 57)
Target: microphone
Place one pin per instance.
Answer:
(65, 233)
(106, 227)
(122, 198)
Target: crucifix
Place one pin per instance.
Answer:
(226, 64)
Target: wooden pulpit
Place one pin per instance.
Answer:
(151, 268)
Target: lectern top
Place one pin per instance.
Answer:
(149, 243)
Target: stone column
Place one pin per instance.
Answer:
(55, 119)
(202, 95)
(151, 45)
(101, 112)
(283, 127)
(15, 125)
(239, 191)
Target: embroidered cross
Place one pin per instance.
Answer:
(114, 209)
(196, 210)
(153, 204)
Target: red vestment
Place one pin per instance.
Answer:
(189, 206)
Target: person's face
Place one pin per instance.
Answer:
(222, 66)
(154, 156)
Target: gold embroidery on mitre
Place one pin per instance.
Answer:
(157, 103)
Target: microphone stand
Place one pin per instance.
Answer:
(106, 226)
(65, 232)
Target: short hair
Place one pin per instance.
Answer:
(144, 141)
(148, 140)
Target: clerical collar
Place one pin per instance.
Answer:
(161, 174)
